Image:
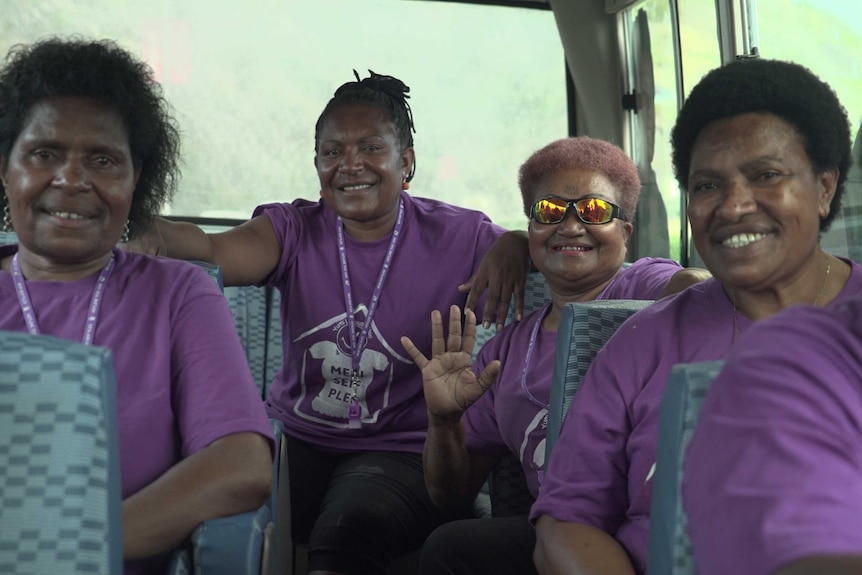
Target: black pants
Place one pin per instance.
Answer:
(498, 546)
(358, 511)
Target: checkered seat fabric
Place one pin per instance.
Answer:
(248, 304)
(507, 485)
(669, 546)
(274, 348)
(60, 495)
(584, 329)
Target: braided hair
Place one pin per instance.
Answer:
(383, 92)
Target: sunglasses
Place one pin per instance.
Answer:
(591, 211)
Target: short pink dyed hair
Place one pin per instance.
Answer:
(587, 154)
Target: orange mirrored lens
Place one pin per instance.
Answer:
(550, 211)
(595, 211)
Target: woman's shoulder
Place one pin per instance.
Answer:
(430, 208)
(166, 275)
(673, 313)
(298, 213)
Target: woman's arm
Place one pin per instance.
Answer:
(684, 278)
(231, 475)
(564, 548)
(247, 254)
(452, 474)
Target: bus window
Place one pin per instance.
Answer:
(248, 82)
(826, 37)
(699, 55)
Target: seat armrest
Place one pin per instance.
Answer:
(231, 545)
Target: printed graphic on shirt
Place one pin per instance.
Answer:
(650, 474)
(532, 451)
(326, 390)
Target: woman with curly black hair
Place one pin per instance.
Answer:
(762, 147)
(88, 154)
(356, 270)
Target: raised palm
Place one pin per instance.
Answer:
(448, 380)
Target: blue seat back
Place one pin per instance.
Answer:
(669, 545)
(249, 306)
(60, 494)
(507, 485)
(213, 271)
(584, 329)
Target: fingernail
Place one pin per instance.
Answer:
(486, 324)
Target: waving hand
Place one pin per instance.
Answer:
(449, 382)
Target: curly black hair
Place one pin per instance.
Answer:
(101, 71)
(384, 92)
(786, 89)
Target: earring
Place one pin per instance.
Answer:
(405, 185)
(7, 218)
(127, 233)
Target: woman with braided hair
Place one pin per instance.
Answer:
(357, 270)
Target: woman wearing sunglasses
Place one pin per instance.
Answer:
(580, 195)
(762, 148)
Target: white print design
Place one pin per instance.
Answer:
(331, 392)
(538, 423)
(650, 474)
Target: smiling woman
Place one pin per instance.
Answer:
(356, 270)
(88, 150)
(472, 423)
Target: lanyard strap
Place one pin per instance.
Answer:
(95, 301)
(360, 341)
(534, 337)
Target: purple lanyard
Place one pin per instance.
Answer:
(358, 343)
(534, 337)
(95, 300)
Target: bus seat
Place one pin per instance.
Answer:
(507, 486)
(60, 494)
(248, 304)
(274, 349)
(584, 328)
(844, 236)
(243, 544)
(213, 270)
(669, 545)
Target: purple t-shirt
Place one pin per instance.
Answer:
(773, 470)
(512, 416)
(182, 377)
(440, 247)
(601, 470)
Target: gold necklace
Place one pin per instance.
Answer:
(816, 298)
